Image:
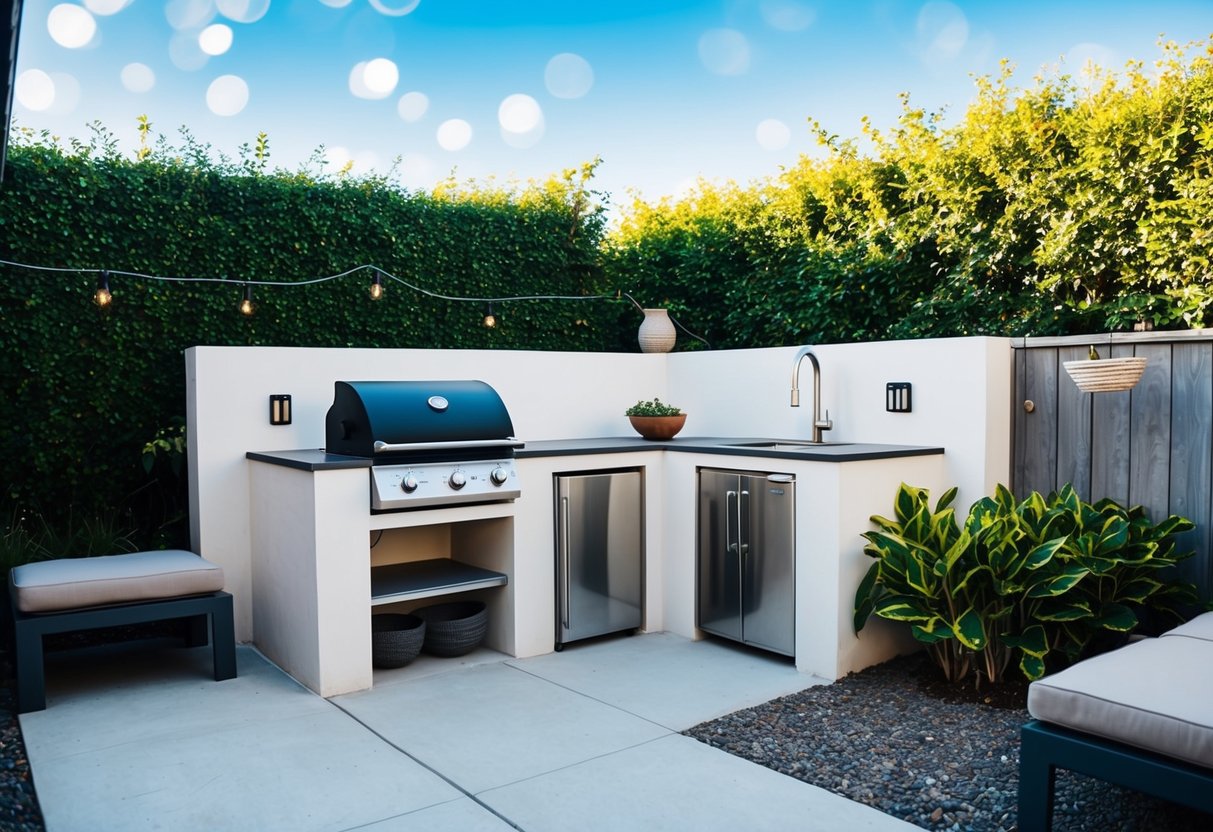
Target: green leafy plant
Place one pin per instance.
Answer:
(656, 407)
(1027, 583)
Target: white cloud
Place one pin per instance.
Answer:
(381, 76)
(943, 31)
(215, 39)
(67, 94)
(227, 95)
(521, 121)
(454, 134)
(724, 51)
(772, 134)
(787, 16)
(106, 7)
(137, 77)
(365, 161)
(243, 11)
(34, 90)
(412, 106)
(519, 113)
(373, 79)
(416, 170)
(336, 157)
(398, 8)
(185, 52)
(71, 26)
(1080, 57)
(189, 14)
(568, 75)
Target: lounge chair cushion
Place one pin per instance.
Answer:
(72, 583)
(1153, 694)
(1199, 627)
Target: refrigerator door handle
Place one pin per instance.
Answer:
(730, 539)
(564, 560)
(743, 509)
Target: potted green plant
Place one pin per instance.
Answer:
(656, 420)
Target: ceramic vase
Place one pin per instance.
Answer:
(656, 331)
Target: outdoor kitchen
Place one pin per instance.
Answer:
(313, 544)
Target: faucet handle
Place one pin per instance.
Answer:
(826, 423)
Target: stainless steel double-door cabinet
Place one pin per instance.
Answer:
(746, 564)
(599, 553)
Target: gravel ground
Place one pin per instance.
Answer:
(896, 737)
(19, 810)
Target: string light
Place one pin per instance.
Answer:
(247, 307)
(103, 297)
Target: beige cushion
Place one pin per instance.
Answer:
(1153, 694)
(71, 583)
(1199, 627)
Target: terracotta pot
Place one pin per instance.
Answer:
(658, 428)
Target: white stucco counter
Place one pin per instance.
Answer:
(315, 543)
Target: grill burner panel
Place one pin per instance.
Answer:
(433, 484)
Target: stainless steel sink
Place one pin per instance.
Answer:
(786, 445)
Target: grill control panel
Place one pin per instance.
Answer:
(396, 487)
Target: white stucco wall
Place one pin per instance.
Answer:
(961, 399)
(962, 390)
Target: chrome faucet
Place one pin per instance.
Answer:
(819, 424)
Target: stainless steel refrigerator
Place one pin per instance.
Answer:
(599, 553)
(746, 565)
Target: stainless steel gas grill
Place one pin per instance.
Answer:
(432, 443)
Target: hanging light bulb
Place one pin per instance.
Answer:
(376, 286)
(103, 297)
(247, 307)
(490, 320)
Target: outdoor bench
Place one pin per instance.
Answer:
(70, 594)
(1140, 716)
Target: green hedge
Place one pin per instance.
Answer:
(1075, 205)
(87, 390)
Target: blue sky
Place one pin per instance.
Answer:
(664, 92)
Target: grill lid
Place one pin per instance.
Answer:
(393, 420)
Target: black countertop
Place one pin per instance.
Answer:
(727, 446)
(795, 449)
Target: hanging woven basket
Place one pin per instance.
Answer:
(1106, 375)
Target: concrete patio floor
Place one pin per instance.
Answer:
(137, 736)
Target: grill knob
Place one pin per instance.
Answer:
(457, 480)
(409, 484)
(498, 476)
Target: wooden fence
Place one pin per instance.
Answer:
(1151, 446)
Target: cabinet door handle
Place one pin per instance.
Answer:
(564, 560)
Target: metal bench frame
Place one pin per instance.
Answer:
(29, 628)
(1045, 747)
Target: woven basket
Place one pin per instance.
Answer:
(396, 639)
(454, 629)
(1106, 375)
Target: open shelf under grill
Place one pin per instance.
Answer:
(429, 578)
